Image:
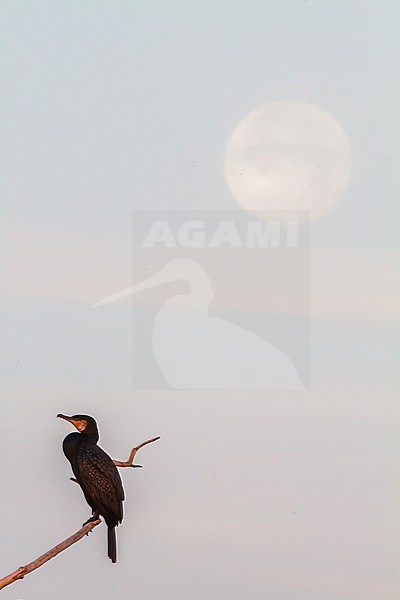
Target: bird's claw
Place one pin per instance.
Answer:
(91, 520)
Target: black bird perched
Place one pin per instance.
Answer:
(96, 474)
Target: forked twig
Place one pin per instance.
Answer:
(129, 462)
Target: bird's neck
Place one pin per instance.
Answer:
(91, 436)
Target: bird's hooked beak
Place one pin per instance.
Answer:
(80, 424)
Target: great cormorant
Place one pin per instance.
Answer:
(96, 474)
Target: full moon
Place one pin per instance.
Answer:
(288, 156)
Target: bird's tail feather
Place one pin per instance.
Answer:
(112, 544)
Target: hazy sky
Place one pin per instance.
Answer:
(110, 107)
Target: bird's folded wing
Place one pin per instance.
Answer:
(101, 478)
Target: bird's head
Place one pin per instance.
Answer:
(83, 423)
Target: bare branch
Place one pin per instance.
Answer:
(129, 462)
(35, 564)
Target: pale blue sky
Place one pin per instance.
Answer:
(115, 106)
